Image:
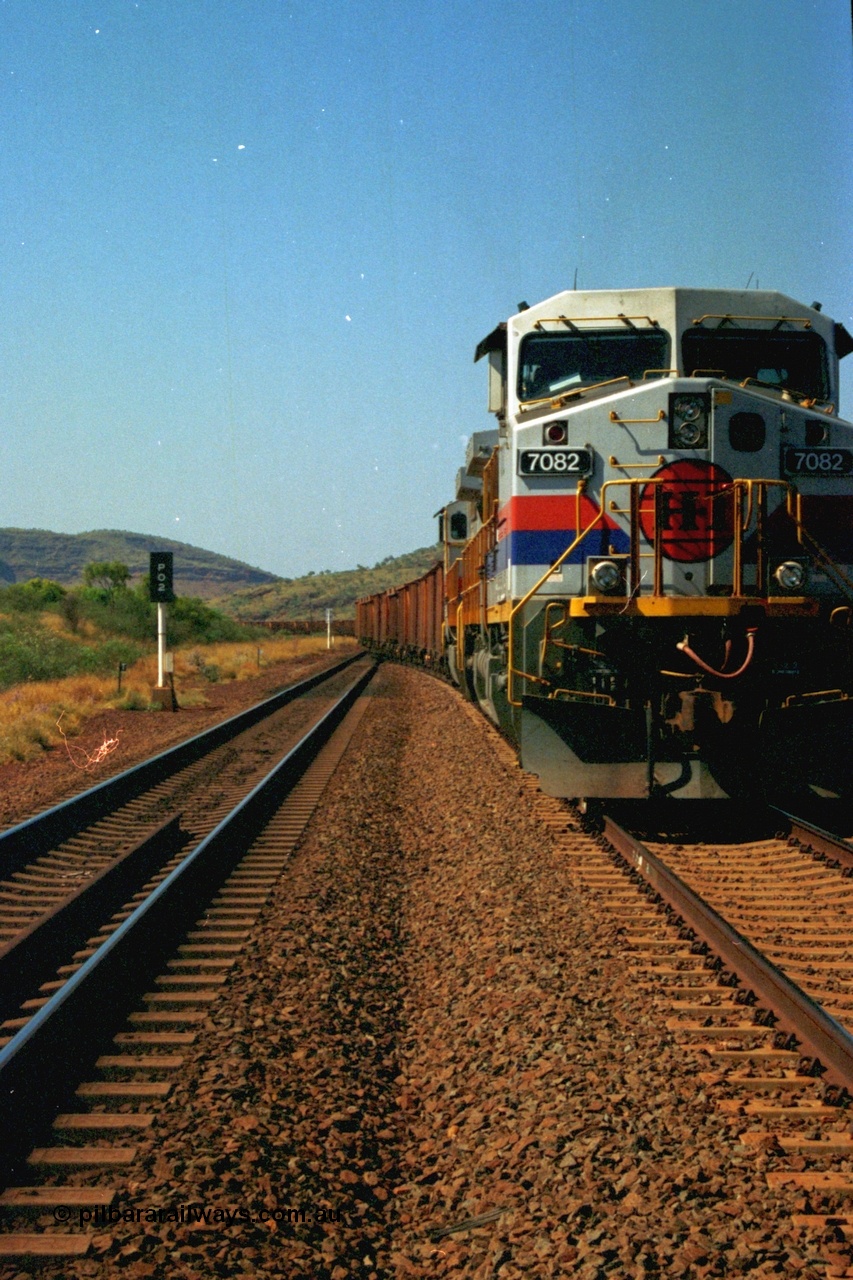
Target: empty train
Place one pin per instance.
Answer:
(647, 574)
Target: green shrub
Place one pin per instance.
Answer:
(190, 620)
(70, 610)
(130, 613)
(120, 612)
(133, 701)
(29, 652)
(111, 575)
(31, 596)
(125, 619)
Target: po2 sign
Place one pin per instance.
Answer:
(160, 577)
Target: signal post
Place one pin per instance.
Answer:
(161, 592)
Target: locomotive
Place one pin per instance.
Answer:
(647, 572)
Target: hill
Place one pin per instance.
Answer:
(309, 597)
(242, 592)
(62, 557)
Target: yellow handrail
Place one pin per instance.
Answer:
(613, 461)
(749, 498)
(557, 401)
(582, 693)
(840, 696)
(614, 417)
(576, 320)
(511, 670)
(599, 515)
(776, 320)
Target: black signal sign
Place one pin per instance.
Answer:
(160, 577)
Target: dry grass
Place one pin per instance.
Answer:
(29, 713)
(37, 715)
(233, 661)
(55, 623)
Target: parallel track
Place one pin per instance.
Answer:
(39, 836)
(61, 869)
(170, 953)
(778, 901)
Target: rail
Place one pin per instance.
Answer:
(833, 847)
(64, 1037)
(821, 1036)
(28, 840)
(34, 956)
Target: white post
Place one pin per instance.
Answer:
(328, 628)
(161, 642)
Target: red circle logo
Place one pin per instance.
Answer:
(695, 510)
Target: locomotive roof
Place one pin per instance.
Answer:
(672, 308)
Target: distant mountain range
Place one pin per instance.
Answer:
(62, 557)
(236, 588)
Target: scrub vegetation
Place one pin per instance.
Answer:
(48, 631)
(65, 652)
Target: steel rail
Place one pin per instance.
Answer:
(59, 1044)
(820, 1035)
(21, 844)
(805, 833)
(33, 956)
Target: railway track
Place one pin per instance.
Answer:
(791, 899)
(746, 946)
(782, 1120)
(747, 949)
(62, 868)
(107, 1030)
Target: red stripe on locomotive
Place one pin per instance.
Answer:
(539, 512)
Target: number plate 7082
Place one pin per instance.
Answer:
(554, 462)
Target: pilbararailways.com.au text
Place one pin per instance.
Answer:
(192, 1215)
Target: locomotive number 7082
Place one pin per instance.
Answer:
(554, 462)
(818, 462)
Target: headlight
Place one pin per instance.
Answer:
(689, 408)
(688, 421)
(606, 576)
(791, 575)
(689, 434)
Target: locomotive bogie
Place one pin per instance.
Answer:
(647, 578)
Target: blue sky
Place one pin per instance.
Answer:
(247, 247)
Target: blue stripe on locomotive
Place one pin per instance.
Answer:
(544, 546)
